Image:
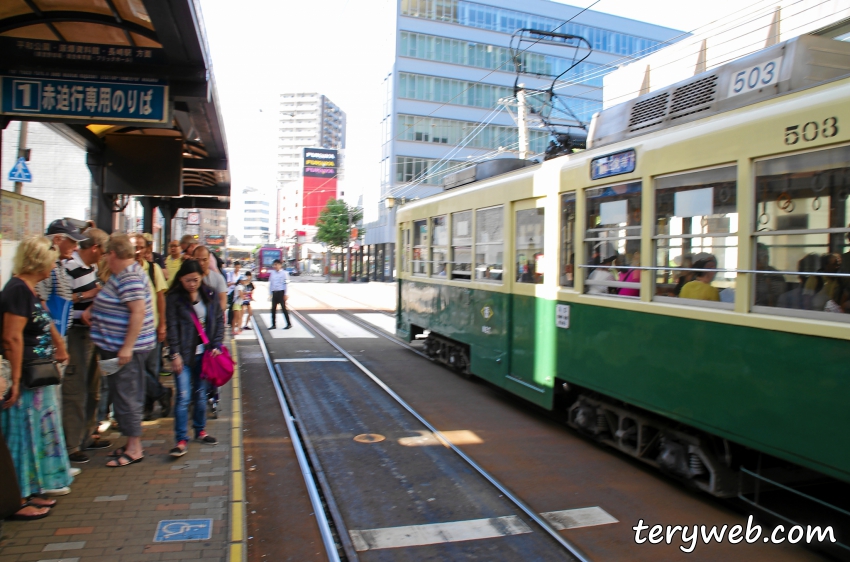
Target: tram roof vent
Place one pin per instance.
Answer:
(796, 64)
(484, 170)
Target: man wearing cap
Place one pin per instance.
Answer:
(65, 238)
(154, 257)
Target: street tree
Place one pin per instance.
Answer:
(336, 222)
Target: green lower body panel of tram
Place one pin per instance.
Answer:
(781, 393)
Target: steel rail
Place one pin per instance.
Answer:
(312, 489)
(533, 515)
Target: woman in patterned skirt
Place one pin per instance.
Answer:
(30, 418)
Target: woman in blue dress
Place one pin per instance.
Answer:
(30, 419)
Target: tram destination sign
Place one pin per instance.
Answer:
(101, 101)
(623, 162)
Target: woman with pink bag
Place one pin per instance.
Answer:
(195, 325)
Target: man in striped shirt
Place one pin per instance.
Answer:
(81, 385)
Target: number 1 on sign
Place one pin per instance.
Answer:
(26, 92)
(26, 95)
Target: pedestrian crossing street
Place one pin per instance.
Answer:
(336, 324)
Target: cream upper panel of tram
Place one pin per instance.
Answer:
(751, 132)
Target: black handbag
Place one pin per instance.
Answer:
(39, 372)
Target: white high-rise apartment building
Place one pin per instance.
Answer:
(306, 120)
(256, 217)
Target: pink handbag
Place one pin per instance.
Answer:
(217, 369)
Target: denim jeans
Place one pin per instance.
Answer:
(190, 387)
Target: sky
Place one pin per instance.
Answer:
(340, 48)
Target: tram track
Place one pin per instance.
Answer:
(334, 531)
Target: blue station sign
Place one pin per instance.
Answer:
(102, 101)
(623, 162)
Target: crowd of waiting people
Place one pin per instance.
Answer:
(85, 319)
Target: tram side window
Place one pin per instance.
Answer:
(489, 244)
(529, 245)
(461, 246)
(613, 240)
(697, 228)
(439, 246)
(568, 235)
(420, 247)
(405, 255)
(803, 234)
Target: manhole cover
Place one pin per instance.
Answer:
(369, 438)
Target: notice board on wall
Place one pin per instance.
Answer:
(20, 216)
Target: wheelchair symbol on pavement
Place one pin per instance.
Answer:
(183, 530)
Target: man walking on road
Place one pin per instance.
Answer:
(278, 279)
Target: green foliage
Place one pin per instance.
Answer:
(335, 221)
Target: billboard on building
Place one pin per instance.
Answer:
(320, 173)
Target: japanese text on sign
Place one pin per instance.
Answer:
(613, 164)
(107, 101)
(66, 51)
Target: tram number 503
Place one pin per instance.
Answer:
(755, 77)
(810, 131)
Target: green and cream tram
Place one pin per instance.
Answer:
(571, 283)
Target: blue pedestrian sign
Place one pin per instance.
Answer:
(183, 530)
(20, 172)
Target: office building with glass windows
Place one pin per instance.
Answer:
(452, 64)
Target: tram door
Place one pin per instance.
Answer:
(528, 221)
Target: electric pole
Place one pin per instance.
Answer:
(348, 247)
(522, 121)
(22, 152)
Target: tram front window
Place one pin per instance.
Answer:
(696, 229)
(802, 235)
(612, 240)
(529, 245)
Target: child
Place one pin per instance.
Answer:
(238, 297)
(247, 297)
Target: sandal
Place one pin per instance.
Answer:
(37, 500)
(124, 457)
(18, 516)
(117, 453)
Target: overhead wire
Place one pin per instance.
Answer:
(585, 77)
(465, 141)
(689, 56)
(479, 81)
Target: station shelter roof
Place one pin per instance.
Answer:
(93, 69)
